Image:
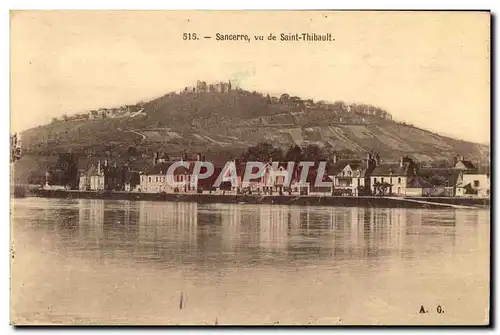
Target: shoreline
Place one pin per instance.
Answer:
(303, 200)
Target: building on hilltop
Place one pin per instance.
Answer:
(203, 87)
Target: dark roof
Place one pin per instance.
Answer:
(467, 164)
(419, 182)
(391, 170)
(162, 168)
(137, 165)
(340, 165)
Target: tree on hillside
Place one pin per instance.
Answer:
(268, 99)
(263, 152)
(132, 151)
(339, 106)
(284, 99)
(294, 154)
(15, 150)
(66, 166)
(314, 153)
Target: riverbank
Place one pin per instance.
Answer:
(343, 201)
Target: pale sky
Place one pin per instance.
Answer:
(431, 69)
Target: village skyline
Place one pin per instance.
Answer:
(426, 82)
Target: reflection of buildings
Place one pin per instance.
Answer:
(367, 232)
(295, 219)
(91, 219)
(274, 227)
(231, 226)
(168, 221)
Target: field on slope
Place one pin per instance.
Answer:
(230, 122)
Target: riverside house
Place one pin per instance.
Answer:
(351, 177)
(97, 177)
(154, 179)
(271, 182)
(476, 181)
(435, 182)
(92, 179)
(392, 178)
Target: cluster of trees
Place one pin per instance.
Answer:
(338, 106)
(15, 149)
(65, 171)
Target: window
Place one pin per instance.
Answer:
(374, 180)
(359, 181)
(399, 180)
(349, 173)
(476, 183)
(149, 179)
(390, 180)
(382, 180)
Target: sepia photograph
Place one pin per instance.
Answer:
(242, 168)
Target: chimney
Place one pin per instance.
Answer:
(461, 158)
(198, 157)
(334, 158)
(155, 158)
(368, 159)
(401, 162)
(99, 167)
(106, 162)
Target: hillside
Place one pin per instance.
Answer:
(229, 122)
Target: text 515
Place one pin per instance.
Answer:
(190, 37)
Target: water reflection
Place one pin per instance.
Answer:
(122, 261)
(188, 232)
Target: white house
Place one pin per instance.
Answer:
(348, 176)
(155, 180)
(394, 176)
(93, 179)
(478, 182)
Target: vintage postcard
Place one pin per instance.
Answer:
(250, 168)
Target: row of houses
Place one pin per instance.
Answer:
(347, 177)
(405, 178)
(105, 113)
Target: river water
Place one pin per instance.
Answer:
(124, 262)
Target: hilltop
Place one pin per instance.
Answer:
(227, 122)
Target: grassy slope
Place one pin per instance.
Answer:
(229, 122)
